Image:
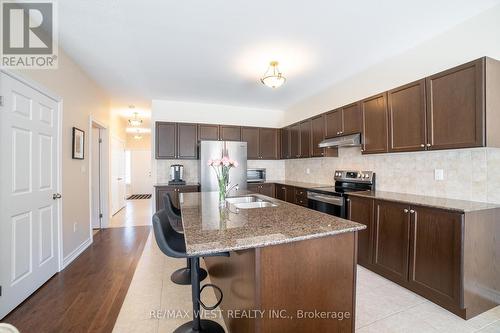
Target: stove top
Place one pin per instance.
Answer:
(348, 181)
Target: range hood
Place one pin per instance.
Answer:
(352, 140)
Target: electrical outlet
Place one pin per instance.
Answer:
(438, 174)
(308, 171)
(75, 226)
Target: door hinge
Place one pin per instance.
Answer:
(0, 290)
(100, 215)
(1, 100)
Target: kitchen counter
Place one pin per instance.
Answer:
(434, 202)
(166, 184)
(208, 230)
(294, 183)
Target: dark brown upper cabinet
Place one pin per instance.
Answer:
(318, 135)
(187, 142)
(230, 133)
(285, 142)
(295, 141)
(251, 136)
(391, 240)
(333, 123)
(375, 123)
(208, 132)
(268, 143)
(351, 119)
(176, 141)
(436, 254)
(305, 139)
(407, 117)
(456, 107)
(166, 140)
(344, 121)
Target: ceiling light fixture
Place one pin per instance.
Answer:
(138, 135)
(273, 77)
(134, 121)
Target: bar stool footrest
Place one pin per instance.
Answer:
(207, 326)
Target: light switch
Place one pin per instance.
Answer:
(308, 171)
(438, 174)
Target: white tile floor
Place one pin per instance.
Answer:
(382, 306)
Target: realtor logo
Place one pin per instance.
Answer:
(29, 34)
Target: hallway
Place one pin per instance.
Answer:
(135, 213)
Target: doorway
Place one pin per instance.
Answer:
(117, 175)
(96, 203)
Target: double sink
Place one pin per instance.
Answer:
(249, 202)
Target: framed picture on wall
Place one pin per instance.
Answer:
(78, 143)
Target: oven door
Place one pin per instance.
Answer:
(328, 204)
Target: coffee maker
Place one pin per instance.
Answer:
(176, 175)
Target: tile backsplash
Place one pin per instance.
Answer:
(469, 174)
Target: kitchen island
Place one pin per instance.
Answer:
(290, 268)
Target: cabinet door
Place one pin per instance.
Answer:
(208, 132)
(290, 194)
(285, 143)
(253, 187)
(250, 135)
(391, 240)
(187, 147)
(407, 123)
(456, 106)
(351, 119)
(161, 191)
(333, 123)
(435, 254)
(317, 135)
(268, 143)
(305, 139)
(361, 210)
(280, 192)
(295, 141)
(166, 140)
(267, 189)
(230, 133)
(375, 134)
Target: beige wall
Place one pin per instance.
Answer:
(82, 97)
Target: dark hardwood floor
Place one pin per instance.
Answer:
(88, 294)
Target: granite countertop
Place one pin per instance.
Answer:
(296, 184)
(210, 230)
(166, 184)
(434, 202)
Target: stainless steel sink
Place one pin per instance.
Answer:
(249, 202)
(246, 199)
(256, 204)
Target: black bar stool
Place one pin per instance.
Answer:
(181, 276)
(173, 245)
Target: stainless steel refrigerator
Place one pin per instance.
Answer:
(211, 150)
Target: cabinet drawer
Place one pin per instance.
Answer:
(301, 197)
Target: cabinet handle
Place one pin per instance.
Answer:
(422, 145)
(412, 211)
(348, 200)
(428, 145)
(406, 210)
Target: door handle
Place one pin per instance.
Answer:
(56, 196)
(119, 178)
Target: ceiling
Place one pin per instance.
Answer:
(215, 51)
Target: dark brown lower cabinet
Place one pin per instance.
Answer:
(301, 196)
(266, 189)
(435, 254)
(443, 255)
(285, 193)
(361, 210)
(391, 240)
(174, 191)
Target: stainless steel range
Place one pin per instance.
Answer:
(332, 199)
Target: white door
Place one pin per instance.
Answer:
(96, 203)
(117, 175)
(29, 215)
(140, 172)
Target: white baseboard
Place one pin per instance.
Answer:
(75, 253)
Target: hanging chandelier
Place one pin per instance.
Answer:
(273, 77)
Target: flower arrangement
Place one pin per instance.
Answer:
(221, 168)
